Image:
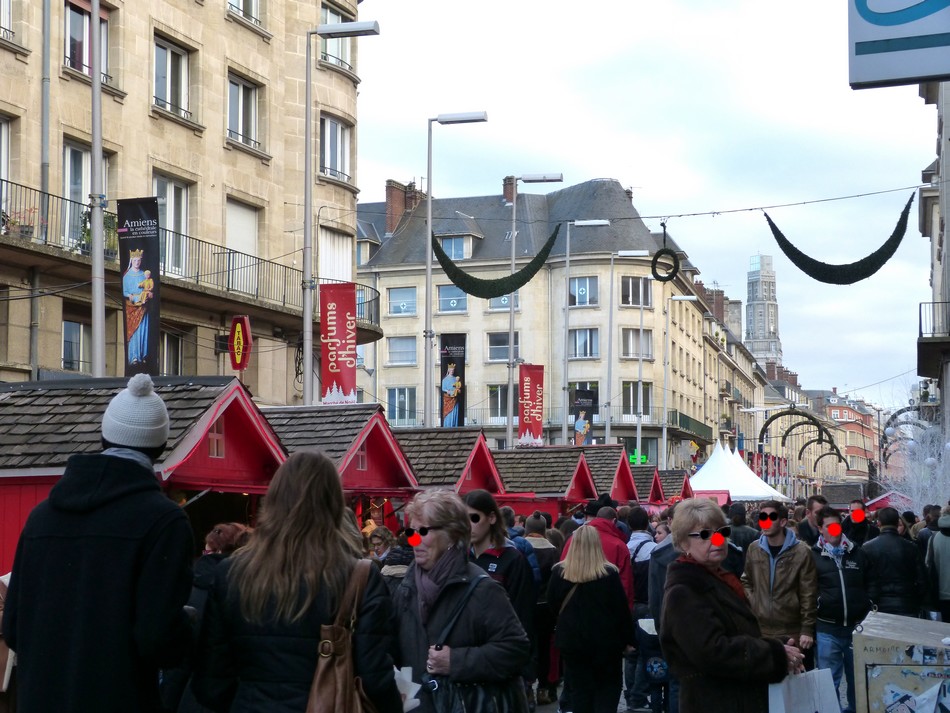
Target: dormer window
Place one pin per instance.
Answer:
(454, 247)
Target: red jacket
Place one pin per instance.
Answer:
(615, 550)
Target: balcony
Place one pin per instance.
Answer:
(933, 340)
(725, 387)
(39, 221)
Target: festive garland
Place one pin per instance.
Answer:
(489, 289)
(655, 265)
(844, 274)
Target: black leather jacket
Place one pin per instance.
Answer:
(895, 573)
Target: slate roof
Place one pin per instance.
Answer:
(42, 423)
(643, 477)
(537, 470)
(438, 455)
(489, 217)
(604, 461)
(331, 429)
(672, 482)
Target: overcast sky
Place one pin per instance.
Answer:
(698, 106)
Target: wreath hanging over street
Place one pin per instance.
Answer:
(852, 272)
(498, 287)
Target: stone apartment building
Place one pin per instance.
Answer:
(203, 107)
(683, 364)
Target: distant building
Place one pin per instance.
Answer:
(761, 331)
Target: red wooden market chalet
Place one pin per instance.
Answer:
(457, 458)
(377, 477)
(218, 443)
(554, 479)
(675, 484)
(647, 480)
(610, 468)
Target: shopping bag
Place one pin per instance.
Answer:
(809, 692)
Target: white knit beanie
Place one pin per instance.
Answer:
(136, 417)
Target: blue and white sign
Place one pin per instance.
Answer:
(898, 42)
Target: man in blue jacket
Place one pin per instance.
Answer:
(102, 573)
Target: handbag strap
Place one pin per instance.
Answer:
(353, 595)
(457, 612)
(566, 600)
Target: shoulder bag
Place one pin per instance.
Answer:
(336, 688)
(489, 697)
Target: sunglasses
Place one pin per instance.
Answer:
(423, 531)
(706, 534)
(474, 517)
(764, 516)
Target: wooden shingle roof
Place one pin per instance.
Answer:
(603, 460)
(331, 429)
(675, 483)
(438, 456)
(42, 423)
(643, 477)
(538, 470)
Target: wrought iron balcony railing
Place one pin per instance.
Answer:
(46, 219)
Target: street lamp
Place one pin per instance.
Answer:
(567, 310)
(610, 345)
(329, 31)
(528, 178)
(666, 363)
(468, 117)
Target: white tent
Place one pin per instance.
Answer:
(725, 470)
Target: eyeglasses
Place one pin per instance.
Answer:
(764, 516)
(474, 517)
(423, 531)
(706, 534)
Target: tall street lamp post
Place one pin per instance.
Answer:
(567, 313)
(528, 178)
(428, 336)
(610, 345)
(666, 365)
(340, 29)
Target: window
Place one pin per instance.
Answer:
(362, 459)
(401, 406)
(583, 291)
(630, 343)
(335, 255)
(78, 50)
(216, 439)
(170, 354)
(630, 406)
(238, 265)
(452, 299)
(173, 219)
(502, 302)
(242, 111)
(454, 247)
(77, 346)
(835, 414)
(171, 78)
(6, 22)
(402, 350)
(250, 10)
(583, 344)
(335, 50)
(498, 401)
(402, 300)
(852, 462)
(334, 149)
(498, 346)
(77, 185)
(4, 151)
(630, 291)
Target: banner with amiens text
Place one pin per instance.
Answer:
(338, 343)
(530, 405)
(140, 259)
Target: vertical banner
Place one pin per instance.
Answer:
(452, 386)
(338, 343)
(140, 256)
(531, 405)
(583, 414)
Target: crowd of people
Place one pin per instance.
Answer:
(685, 610)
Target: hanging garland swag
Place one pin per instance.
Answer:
(489, 289)
(852, 272)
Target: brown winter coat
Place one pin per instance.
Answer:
(712, 642)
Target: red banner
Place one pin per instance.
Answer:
(530, 405)
(338, 343)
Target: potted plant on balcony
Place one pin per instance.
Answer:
(22, 223)
(110, 234)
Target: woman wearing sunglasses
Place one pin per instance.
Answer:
(709, 635)
(486, 644)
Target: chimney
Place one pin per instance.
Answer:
(508, 188)
(629, 192)
(834, 390)
(770, 371)
(400, 199)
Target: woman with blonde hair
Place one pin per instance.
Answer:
(594, 626)
(261, 633)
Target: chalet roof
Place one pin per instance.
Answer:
(438, 455)
(331, 429)
(672, 481)
(643, 477)
(42, 423)
(603, 460)
(537, 470)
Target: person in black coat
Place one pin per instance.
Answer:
(594, 627)
(896, 578)
(260, 636)
(102, 573)
(856, 526)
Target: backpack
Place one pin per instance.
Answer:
(641, 577)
